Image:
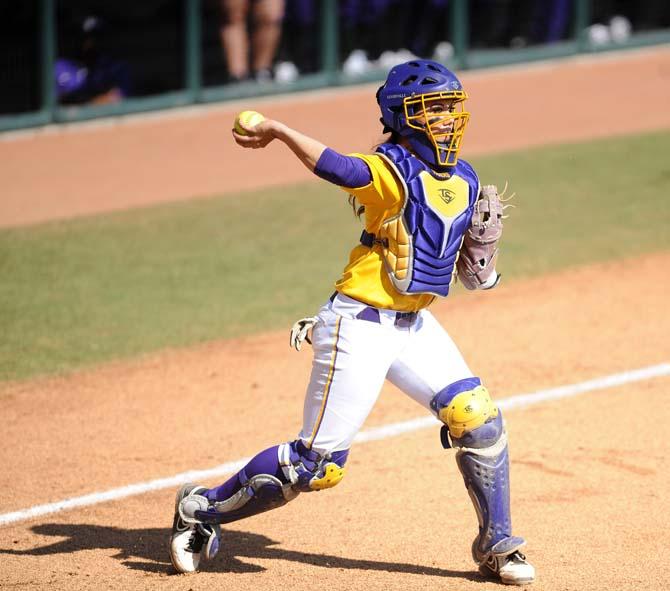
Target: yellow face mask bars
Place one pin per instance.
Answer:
(442, 117)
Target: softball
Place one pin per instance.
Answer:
(248, 118)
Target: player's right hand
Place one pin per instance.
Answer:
(258, 136)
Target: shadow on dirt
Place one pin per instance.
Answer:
(147, 550)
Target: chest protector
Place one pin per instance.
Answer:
(420, 245)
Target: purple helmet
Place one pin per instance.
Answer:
(423, 101)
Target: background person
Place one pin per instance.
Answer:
(89, 73)
(250, 48)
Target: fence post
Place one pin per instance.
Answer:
(459, 31)
(193, 50)
(329, 39)
(48, 56)
(582, 21)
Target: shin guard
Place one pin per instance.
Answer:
(271, 479)
(261, 493)
(486, 475)
(474, 427)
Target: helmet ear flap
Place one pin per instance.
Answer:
(398, 118)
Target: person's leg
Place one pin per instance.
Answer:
(429, 362)
(351, 359)
(433, 372)
(234, 38)
(266, 33)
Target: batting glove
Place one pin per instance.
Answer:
(300, 332)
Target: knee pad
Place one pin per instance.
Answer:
(308, 470)
(470, 417)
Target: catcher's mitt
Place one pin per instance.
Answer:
(476, 264)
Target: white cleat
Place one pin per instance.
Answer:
(512, 569)
(191, 538)
(504, 561)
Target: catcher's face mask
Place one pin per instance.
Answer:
(442, 117)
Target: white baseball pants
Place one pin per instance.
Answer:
(353, 356)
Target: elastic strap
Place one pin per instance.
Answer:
(368, 239)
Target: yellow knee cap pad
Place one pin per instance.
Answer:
(332, 474)
(467, 411)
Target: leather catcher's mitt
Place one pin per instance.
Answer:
(476, 263)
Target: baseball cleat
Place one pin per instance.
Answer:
(190, 538)
(512, 569)
(504, 561)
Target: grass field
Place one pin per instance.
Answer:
(84, 291)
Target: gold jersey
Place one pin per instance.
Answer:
(365, 277)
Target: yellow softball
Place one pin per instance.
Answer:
(248, 118)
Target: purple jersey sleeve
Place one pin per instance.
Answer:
(343, 171)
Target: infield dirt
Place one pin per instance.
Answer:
(588, 479)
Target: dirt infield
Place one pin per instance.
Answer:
(588, 479)
(120, 164)
(589, 483)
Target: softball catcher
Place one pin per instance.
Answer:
(427, 222)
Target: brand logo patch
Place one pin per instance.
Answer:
(446, 195)
(448, 198)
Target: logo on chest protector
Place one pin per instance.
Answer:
(446, 195)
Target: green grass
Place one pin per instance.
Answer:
(581, 203)
(84, 291)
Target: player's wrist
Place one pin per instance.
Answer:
(279, 130)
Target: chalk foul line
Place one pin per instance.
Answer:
(374, 434)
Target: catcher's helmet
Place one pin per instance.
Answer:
(423, 101)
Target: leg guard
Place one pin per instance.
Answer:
(309, 470)
(271, 479)
(260, 493)
(474, 426)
